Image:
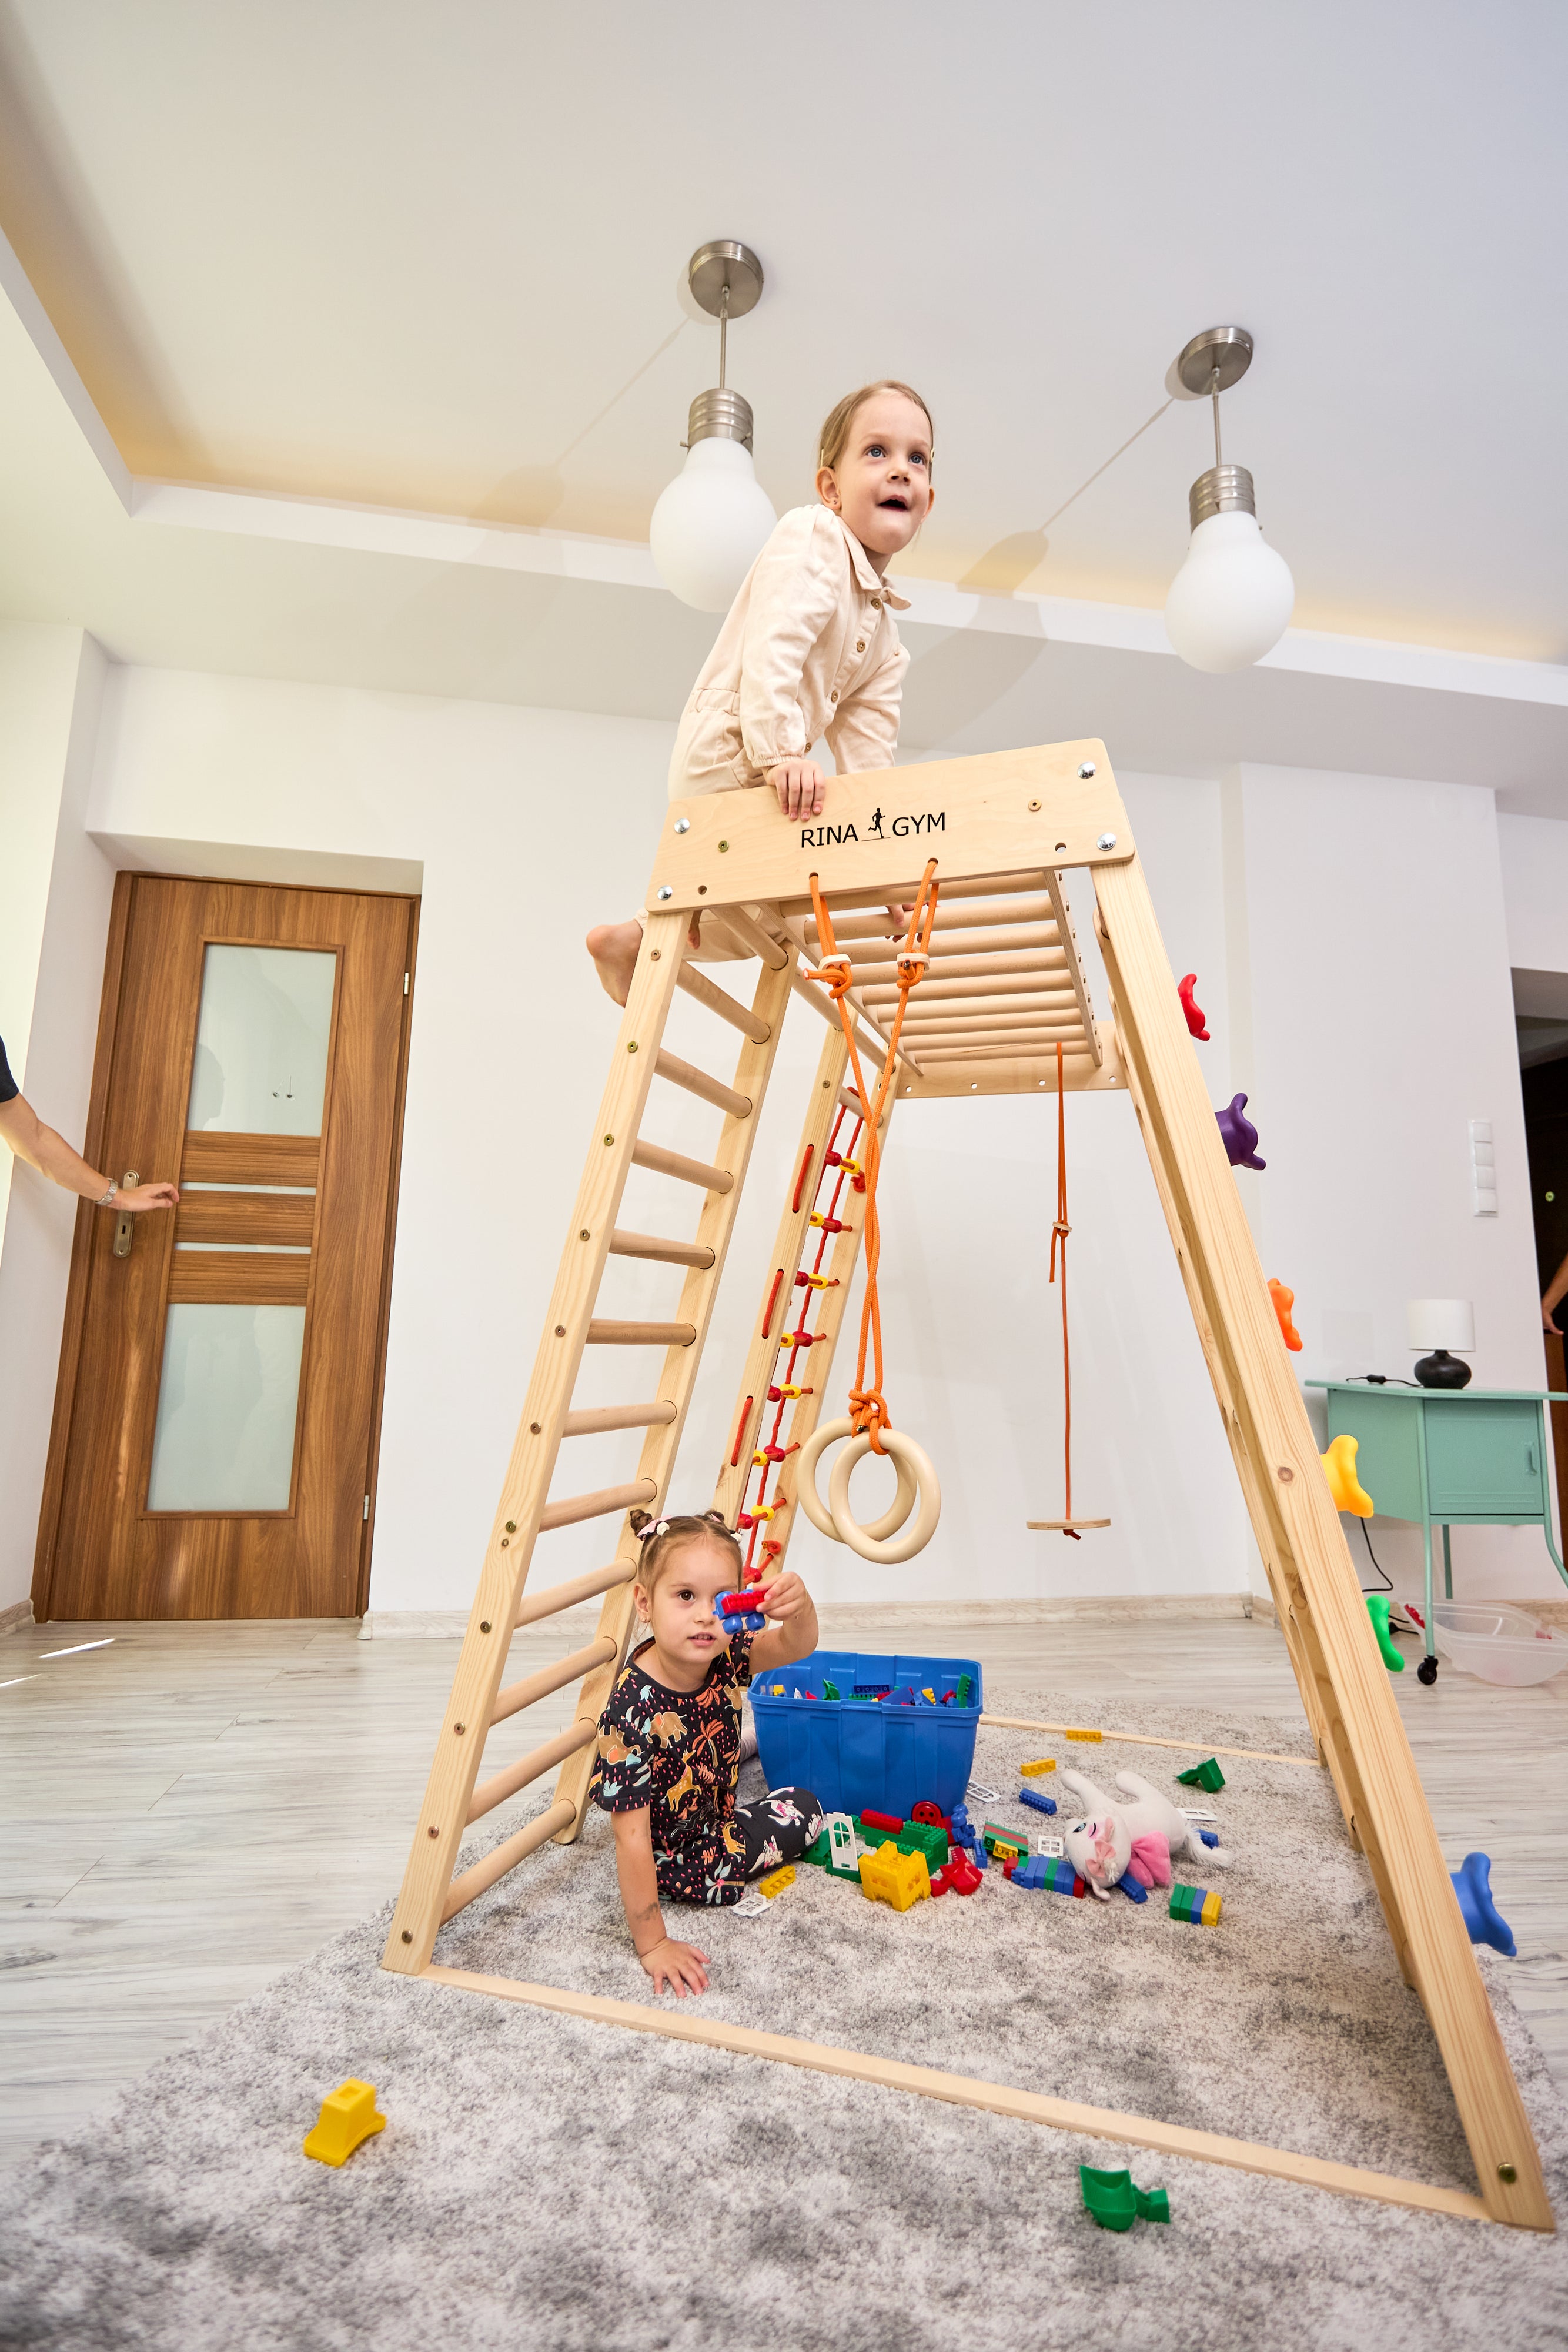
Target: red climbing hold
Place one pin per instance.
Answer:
(1196, 1019)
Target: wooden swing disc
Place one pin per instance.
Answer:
(1060, 1527)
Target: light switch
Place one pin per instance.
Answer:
(1483, 1170)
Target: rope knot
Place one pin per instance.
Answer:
(835, 970)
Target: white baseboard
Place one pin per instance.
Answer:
(14, 1619)
(449, 1625)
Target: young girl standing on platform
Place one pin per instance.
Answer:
(809, 646)
(669, 1742)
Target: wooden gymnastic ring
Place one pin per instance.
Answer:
(817, 1511)
(860, 1540)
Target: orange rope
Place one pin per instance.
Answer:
(1059, 1233)
(868, 1406)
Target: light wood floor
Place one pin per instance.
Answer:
(195, 1808)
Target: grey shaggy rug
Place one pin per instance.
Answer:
(547, 2183)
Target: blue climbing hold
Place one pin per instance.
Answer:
(1239, 1135)
(1472, 1884)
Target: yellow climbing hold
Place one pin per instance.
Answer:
(347, 2116)
(1338, 1469)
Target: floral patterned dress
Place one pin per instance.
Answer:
(678, 1753)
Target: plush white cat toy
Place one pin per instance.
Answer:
(1141, 1835)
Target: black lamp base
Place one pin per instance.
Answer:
(1441, 1370)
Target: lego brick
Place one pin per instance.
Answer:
(830, 1690)
(1041, 1804)
(778, 1880)
(889, 1822)
(1040, 1764)
(1085, 1734)
(1207, 1775)
(898, 1879)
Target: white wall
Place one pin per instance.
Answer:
(1349, 938)
(1378, 940)
(1535, 890)
(526, 826)
(56, 886)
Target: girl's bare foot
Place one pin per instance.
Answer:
(614, 948)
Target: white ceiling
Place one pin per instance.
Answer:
(417, 255)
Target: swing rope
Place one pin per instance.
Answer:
(868, 1406)
(1059, 1233)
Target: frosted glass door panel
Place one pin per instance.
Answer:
(227, 1402)
(262, 1039)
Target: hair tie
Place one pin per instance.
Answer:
(654, 1527)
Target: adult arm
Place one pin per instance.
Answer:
(1556, 1288)
(683, 1967)
(52, 1155)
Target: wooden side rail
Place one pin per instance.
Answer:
(675, 1164)
(552, 1599)
(605, 1332)
(750, 1025)
(538, 1760)
(677, 1073)
(597, 1504)
(518, 1695)
(749, 937)
(592, 1420)
(655, 1245)
(473, 1883)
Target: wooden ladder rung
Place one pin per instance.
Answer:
(553, 1598)
(594, 1420)
(750, 936)
(750, 1025)
(604, 1332)
(697, 1082)
(948, 918)
(518, 1695)
(502, 1785)
(506, 1856)
(655, 1245)
(675, 1164)
(596, 1505)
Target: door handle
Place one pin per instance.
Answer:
(125, 1224)
(1530, 1457)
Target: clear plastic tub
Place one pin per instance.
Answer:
(1499, 1643)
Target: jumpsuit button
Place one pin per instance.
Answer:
(834, 695)
(860, 645)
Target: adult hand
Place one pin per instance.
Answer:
(682, 1966)
(147, 1196)
(798, 785)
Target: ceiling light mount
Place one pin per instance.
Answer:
(1224, 351)
(725, 279)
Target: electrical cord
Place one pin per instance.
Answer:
(1387, 1583)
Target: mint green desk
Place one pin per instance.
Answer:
(1461, 1458)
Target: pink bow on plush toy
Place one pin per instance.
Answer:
(1150, 1862)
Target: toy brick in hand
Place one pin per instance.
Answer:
(741, 1613)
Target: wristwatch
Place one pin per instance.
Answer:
(108, 1200)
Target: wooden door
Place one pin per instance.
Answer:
(219, 1394)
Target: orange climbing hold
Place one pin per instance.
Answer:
(1283, 1301)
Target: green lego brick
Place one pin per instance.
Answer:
(830, 1690)
(966, 1690)
(928, 1838)
(1207, 1775)
(1181, 1900)
(817, 1852)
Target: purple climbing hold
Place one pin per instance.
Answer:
(1239, 1135)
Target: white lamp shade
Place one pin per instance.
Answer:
(1441, 1323)
(710, 525)
(1233, 597)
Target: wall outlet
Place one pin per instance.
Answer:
(1483, 1170)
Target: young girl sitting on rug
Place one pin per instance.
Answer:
(669, 1741)
(809, 646)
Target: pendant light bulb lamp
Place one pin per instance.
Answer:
(1233, 597)
(711, 522)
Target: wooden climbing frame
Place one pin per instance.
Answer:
(1004, 988)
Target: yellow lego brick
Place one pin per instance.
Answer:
(1209, 1914)
(889, 1877)
(1041, 1764)
(347, 2116)
(778, 1880)
(1085, 1734)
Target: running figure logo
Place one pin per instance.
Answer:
(877, 825)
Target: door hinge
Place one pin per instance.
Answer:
(366, 1512)
(405, 983)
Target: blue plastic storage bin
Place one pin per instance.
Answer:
(851, 1753)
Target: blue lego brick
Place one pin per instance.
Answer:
(1132, 1888)
(1210, 1837)
(1041, 1804)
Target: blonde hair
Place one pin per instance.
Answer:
(665, 1538)
(833, 438)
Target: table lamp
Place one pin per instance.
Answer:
(1445, 1326)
